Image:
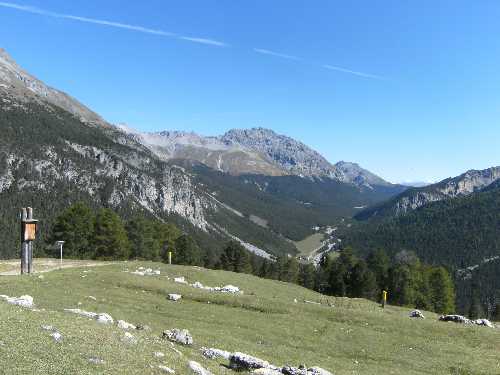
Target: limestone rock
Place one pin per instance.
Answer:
(23, 301)
(174, 297)
(180, 336)
(455, 318)
(197, 369)
(241, 361)
(212, 353)
(416, 314)
(104, 318)
(484, 322)
(125, 325)
(166, 369)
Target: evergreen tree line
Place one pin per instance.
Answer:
(104, 235)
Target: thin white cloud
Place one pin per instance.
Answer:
(276, 54)
(360, 74)
(141, 29)
(210, 42)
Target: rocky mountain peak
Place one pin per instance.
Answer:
(17, 83)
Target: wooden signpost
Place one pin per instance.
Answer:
(28, 235)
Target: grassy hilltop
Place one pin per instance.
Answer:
(345, 336)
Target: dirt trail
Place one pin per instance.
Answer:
(13, 267)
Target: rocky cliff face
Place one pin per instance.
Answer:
(465, 184)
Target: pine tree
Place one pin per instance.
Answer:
(363, 282)
(75, 226)
(187, 251)
(379, 263)
(291, 270)
(307, 275)
(141, 234)
(110, 239)
(235, 258)
(442, 292)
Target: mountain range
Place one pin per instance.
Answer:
(259, 187)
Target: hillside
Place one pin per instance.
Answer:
(456, 232)
(344, 336)
(470, 182)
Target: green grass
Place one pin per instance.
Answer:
(354, 336)
(309, 244)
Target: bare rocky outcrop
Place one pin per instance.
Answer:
(23, 301)
(244, 362)
(180, 336)
(197, 369)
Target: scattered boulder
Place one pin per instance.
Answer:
(142, 327)
(244, 362)
(212, 353)
(166, 369)
(96, 360)
(230, 289)
(104, 318)
(159, 354)
(87, 314)
(180, 280)
(416, 314)
(267, 371)
(141, 271)
(301, 370)
(180, 336)
(125, 325)
(23, 301)
(197, 369)
(174, 297)
(92, 298)
(455, 318)
(318, 371)
(56, 336)
(483, 322)
(47, 327)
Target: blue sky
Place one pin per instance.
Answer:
(408, 89)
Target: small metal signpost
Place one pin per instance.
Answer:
(28, 235)
(60, 243)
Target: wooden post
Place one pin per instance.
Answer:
(28, 234)
(169, 257)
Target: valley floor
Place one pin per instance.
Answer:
(272, 320)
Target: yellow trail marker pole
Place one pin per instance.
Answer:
(384, 298)
(169, 257)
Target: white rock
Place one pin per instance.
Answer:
(23, 301)
(56, 336)
(181, 336)
(92, 298)
(47, 327)
(245, 362)
(166, 369)
(197, 285)
(267, 371)
(87, 314)
(197, 369)
(180, 280)
(212, 353)
(174, 297)
(318, 371)
(483, 322)
(157, 272)
(455, 319)
(159, 354)
(96, 360)
(104, 318)
(416, 314)
(125, 325)
(230, 289)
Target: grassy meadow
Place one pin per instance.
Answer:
(345, 336)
